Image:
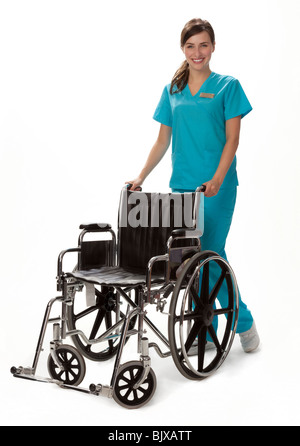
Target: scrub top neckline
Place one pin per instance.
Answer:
(196, 94)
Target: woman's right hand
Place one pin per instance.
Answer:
(135, 183)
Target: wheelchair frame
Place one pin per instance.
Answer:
(66, 364)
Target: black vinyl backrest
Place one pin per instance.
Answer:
(95, 254)
(146, 221)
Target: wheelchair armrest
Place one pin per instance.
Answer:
(161, 258)
(95, 226)
(59, 266)
(186, 232)
(94, 246)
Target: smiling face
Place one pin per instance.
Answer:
(198, 50)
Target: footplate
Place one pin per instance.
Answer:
(24, 373)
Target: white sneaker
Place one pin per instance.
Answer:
(250, 339)
(193, 351)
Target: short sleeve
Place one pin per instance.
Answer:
(163, 112)
(236, 102)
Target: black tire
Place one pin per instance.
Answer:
(124, 393)
(73, 362)
(194, 310)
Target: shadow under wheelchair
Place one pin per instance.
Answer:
(155, 259)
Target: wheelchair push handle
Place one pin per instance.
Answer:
(129, 186)
(202, 188)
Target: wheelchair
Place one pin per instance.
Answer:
(155, 259)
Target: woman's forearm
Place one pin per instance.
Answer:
(228, 154)
(227, 157)
(156, 154)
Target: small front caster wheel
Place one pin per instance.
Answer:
(72, 362)
(124, 392)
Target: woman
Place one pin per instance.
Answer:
(202, 111)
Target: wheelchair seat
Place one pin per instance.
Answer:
(115, 276)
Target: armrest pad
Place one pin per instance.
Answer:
(181, 232)
(186, 232)
(95, 226)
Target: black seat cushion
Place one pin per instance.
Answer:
(115, 276)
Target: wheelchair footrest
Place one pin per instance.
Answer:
(42, 379)
(93, 389)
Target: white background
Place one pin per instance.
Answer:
(79, 84)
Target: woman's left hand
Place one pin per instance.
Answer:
(212, 188)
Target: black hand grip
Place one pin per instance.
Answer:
(95, 226)
(138, 188)
(203, 188)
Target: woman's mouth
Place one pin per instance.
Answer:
(198, 61)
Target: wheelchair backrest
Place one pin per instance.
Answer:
(146, 221)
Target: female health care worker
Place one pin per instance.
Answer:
(201, 111)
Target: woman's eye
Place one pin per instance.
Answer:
(203, 46)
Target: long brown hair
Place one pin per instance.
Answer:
(194, 26)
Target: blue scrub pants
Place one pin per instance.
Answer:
(218, 212)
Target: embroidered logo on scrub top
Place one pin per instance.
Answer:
(207, 95)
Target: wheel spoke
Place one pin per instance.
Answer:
(141, 389)
(193, 335)
(125, 386)
(62, 356)
(85, 312)
(108, 320)
(195, 297)
(220, 311)
(69, 361)
(204, 294)
(97, 323)
(127, 380)
(128, 393)
(59, 374)
(72, 373)
(201, 347)
(216, 288)
(214, 337)
(189, 316)
(75, 367)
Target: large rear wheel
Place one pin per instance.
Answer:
(203, 312)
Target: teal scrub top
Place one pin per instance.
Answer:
(198, 129)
